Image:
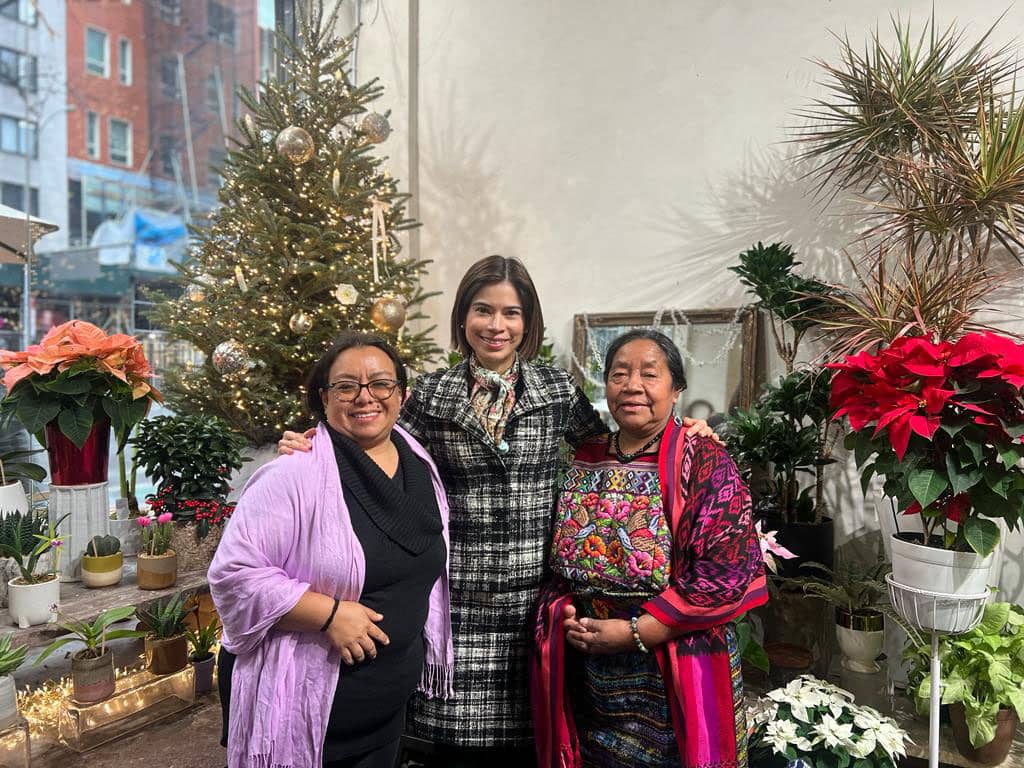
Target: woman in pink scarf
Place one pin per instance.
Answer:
(331, 580)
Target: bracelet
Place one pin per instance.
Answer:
(330, 618)
(634, 629)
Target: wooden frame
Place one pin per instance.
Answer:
(748, 320)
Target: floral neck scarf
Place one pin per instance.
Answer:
(492, 397)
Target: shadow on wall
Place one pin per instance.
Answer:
(769, 198)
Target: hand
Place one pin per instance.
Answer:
(597, 635)
(697, 428)
(353, 632)
(291, 442)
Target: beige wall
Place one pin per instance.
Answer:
(626, 151)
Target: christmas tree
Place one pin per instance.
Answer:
(301, 247)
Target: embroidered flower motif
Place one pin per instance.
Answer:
(641, 502)
(640, 563)
(606, 509)
(566, 548)
(593, 546)
(615, 553)
(623, 510)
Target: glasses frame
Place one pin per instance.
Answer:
(333, 389)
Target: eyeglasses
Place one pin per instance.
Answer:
(347, 391)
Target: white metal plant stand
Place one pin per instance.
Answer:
(926, 610)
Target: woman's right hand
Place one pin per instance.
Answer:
(354, 630)
(291, 442)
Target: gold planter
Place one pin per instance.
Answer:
(164, 656)
(103, 571)
(157, 571)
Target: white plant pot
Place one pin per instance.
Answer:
(13, 498)
(8, 701)
(860, 649)
(32, 604)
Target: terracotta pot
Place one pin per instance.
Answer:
(103, 571)
(71, 465)
(166, 656)
(204, 674)
(32, 604)
(996, 750)
(92, 679)
(156, 571)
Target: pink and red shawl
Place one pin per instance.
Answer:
(717, 575)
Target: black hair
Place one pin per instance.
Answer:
(317, 379)
(673, 359)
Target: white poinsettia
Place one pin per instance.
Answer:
(780, 734)
(861, 747)
(832, 732)
(892, 739)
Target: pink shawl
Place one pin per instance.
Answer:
(290, 533)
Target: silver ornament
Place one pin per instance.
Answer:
(295, 145)
(341, 132)
(375, 127)
(388, 313)
(300, 323)
(230, 357)
(346, 294)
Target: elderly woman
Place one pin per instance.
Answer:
(331, 579)
(654, 553)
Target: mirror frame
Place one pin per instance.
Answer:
(747, 338)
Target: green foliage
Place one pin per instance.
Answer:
(751, 651)
(854, 588)
(202, 640)
(294, 233)
(94, 635)
(164, 618)
(188, 457)
(12, 468)
(768, 272)
(779, 438)
(102, 546)
(982, 669)
(26, 538)
(11, 656)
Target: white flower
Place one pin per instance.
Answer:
(780, 733)
(867, 718)
(832, 732)
(891, 738)
(346, 294)
(861, 747)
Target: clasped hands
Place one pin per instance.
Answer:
(597, 635)
(354, 632)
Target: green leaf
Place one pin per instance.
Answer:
(866, 475)
(926, 485)
(68, 386)
(863, 447)
(36, 414)
(76, 424)
(960, 479)
(994, 619)
(981, 534)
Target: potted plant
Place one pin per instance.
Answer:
(156, 567)
(982, 681)
(818, 724)
(191, 459)
(201, 641)
(92, 667)
(11, 657)
(103, 562)
(857, 595)
(13, 470)
(68, 391)
(34, 595)
(166, 643)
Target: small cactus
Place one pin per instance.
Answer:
(101, 546)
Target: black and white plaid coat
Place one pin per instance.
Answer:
(500, 528)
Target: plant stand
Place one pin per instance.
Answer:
(89, 510)
(922, 609)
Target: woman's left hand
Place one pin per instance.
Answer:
(700, 428)
(597, 635)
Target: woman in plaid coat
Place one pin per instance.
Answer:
(493, 424)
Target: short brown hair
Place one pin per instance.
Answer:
(488, 271)
(316, 382)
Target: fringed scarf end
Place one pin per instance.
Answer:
(437, 681)
(265, 760)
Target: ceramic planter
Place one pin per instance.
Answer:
(996, 750)
(166, 656)
(71, 465)
(13, 498)
(8, 701)
(156, 571)
(103, 571)
(92, 679)
(32, 604)
(861, 636)
(204, 674)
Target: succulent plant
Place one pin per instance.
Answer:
(11, 655)
(101, 546)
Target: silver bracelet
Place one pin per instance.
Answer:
(635, 631)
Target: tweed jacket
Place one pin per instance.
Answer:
(500, 528)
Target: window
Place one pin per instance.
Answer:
(170, 11)
(18, 136)
(14, 196)
(18, 69)
(267, 40)
(97, 52)
(120, 148)
(220, 22)
(167, 149)
(169, 76)
(19, 10)
(212, 94)
(92, 134)
(125, 60)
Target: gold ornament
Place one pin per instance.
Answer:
(300, 322)
(375, 127)
(346, 294)
(195, 292)
(388, 313)
(295, 145)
